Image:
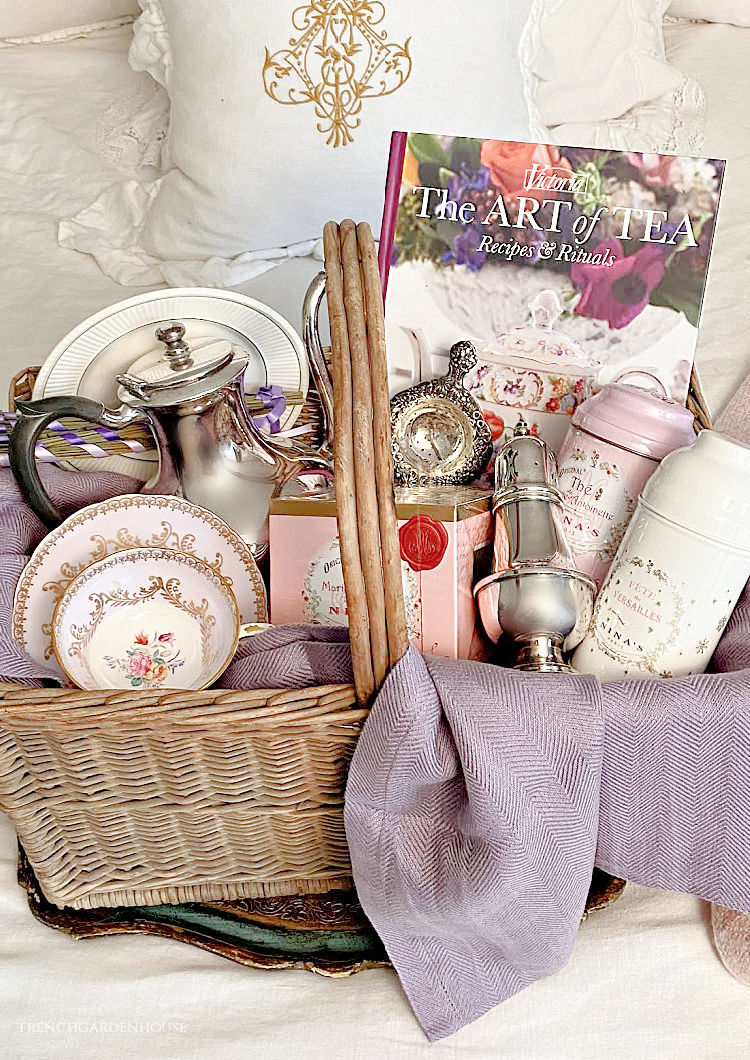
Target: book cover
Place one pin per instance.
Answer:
(568, 267)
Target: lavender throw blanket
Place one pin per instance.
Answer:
(479, 799)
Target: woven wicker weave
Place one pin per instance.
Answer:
(132, 798)
(126, 799)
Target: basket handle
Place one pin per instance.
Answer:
(365, 506)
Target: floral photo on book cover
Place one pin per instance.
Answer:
(568, 267)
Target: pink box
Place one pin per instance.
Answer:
(446, 543)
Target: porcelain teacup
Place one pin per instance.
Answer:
(146, 618)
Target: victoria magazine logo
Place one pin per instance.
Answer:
(555, 178)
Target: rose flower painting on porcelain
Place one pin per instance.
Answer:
(566, 266)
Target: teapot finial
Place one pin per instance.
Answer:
(545, 309)
(177, 350)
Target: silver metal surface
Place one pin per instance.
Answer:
(177, 350)
(144, 388)
(210, 450)
(316, 358)
(545, 610)
(535, 595)
(524, 464)
(439, 434)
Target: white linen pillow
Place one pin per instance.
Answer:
(42, 18)
(599, 76)
(733, 11)
(249, 172)
(246, 169)
(252, 168)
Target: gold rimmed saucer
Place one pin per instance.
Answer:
(126, 522)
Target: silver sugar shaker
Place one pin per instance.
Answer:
(535, 594)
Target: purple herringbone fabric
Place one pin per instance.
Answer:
(675, 797)
(733, 650)
(291, 657)
(471, 815)
(479, 800)
(21, 532)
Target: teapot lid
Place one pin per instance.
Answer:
(540, 344)
(181, 373)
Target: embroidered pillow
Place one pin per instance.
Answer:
(281, 117)
(282, 111)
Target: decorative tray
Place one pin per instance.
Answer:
(324, 933)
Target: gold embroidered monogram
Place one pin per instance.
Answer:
(339, 59)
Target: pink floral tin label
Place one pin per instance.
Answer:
(597, 501)
(324, 594)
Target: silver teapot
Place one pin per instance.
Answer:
(210, 450)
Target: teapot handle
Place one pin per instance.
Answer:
(33, 418)
(315, 357)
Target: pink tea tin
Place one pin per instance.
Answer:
(614, 444)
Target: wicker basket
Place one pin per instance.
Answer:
(132, 798)
(145, 798)
(125, 799)
(140, 799)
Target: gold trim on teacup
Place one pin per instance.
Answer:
(136, 555)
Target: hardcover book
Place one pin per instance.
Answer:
(568, 267)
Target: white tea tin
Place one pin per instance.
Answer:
(680, 569)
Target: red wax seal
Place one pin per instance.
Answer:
(423, 542)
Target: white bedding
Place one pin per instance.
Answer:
(718, 56)
(644, 980)
(644, 983)
(52, 98)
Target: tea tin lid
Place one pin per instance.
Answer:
(706, 489)
(540, 344)
(643, 421)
